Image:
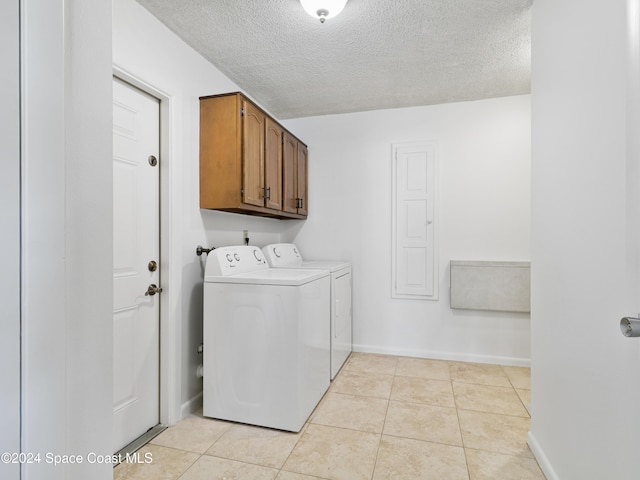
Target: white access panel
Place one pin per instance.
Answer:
(414, 248)
(489, 285)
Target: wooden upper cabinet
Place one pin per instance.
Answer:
(302, 161)
(294, 175)
(273, 165)
(289, 173)
(248, 160)
(253, 128)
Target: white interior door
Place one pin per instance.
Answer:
(136, 312)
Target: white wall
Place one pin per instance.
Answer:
(10, 237)
(484, 167)
(147, 50)
(66, 235)
(483, 214)
(585, 241)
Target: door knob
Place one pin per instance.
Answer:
(152, 290)
(630, 326)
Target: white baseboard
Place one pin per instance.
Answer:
(438, 355)
(191, 406)
(195, 403)
(542, 459)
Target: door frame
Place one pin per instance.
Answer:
(11, 255)
(170, 378)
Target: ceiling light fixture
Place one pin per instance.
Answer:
(323, 9)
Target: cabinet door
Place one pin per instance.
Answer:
(302, 162)
(289, 174)
(253, 127)
(273, 165)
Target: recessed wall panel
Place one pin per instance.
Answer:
(414, 250)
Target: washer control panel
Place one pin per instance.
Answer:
(226, 261)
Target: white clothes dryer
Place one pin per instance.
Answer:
(265, 338)
(287, 255)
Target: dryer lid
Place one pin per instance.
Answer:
(332, 266)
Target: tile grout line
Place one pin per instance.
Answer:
(516, 392)
(375, 462)
(189, 467)
(464, 450)
(304, 431)
(313, 413)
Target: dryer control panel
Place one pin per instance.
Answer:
(225, 261)
(282, 255)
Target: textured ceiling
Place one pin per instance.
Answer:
(376, 54)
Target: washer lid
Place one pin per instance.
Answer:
(271, 276)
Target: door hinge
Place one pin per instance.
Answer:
(242, 111)
(242, 191)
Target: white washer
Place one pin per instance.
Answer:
(286, 255)
(266, 340)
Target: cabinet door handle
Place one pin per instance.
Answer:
(268, 193)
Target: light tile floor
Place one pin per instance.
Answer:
(384, 417)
